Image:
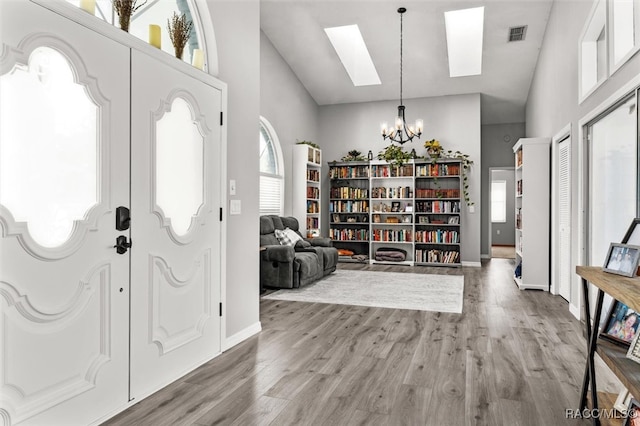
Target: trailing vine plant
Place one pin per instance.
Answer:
(466, 167)
(394, 154)
(315, 145)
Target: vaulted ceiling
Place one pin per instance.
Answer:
(296, 29)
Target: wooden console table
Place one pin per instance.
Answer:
(627, 291)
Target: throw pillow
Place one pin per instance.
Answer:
(287, 237)
(303, 244)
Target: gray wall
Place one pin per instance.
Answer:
(497, 143)
(287, 105)
(553, 97)
(505, 233)
(453, 120)
(237, 28)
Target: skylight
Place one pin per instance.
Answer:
(464, 41)
(353, 53)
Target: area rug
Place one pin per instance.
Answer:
(396, 290)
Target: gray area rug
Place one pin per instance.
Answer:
(396, 290)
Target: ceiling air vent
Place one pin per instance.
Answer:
(517, 33)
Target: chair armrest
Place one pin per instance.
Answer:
(278, 254)
(320, 242)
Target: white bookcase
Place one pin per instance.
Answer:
(306, 183)
(533, 195)
(415, 207)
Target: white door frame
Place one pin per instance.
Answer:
(559, 137)
(490, 223)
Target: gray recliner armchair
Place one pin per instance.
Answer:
(292, 267)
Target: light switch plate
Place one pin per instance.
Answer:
(235, 207)
(232, 187)
(472, 209)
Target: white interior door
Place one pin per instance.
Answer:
(175, 275)
(64, 168)
(563, 223)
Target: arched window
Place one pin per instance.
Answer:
(156, 12)
(271, 171)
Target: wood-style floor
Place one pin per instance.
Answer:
(511, 358)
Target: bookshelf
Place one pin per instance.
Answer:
(532, 212)
(306, 185)
(414, 208)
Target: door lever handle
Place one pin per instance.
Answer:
(122, 244)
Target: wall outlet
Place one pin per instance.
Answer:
(472, 209)
(235, 207)
(498, 231)
(232, 187)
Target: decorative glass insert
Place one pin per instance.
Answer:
(179, 166)
(271, 171)
(593, 50)
(48, 147)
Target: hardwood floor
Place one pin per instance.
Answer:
(511, 358)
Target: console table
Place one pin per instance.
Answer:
(627, 291)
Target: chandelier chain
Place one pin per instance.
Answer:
(401, 59)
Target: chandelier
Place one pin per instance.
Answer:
(401, 132)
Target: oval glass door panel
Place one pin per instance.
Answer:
(179, 166)
(48, 147)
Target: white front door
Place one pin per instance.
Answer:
(64, 169)
(175, 274)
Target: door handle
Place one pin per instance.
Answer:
(122, 244)
(123, 219)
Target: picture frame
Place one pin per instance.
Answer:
(621, 324)
(622, 401)
(633, 233)
(634, 349)
(632, 416)
(622, 259)
(376, 218)
(336, 218)
(423, 219)
(406, 218)
(454, 220)
(408, 208)
(395, 206)
(352, 219)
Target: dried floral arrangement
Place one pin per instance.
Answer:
(179, 32)
(124, 9)
(354, 155)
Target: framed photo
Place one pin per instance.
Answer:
(622, 259)
(633, 233)
(408, 208)
(376, 218)
(395, 206)
(454, 220)
(351, 219)
(621, 324)
(634, 350)
(622, 401)
(406, 218)
(336, 218)
(423, 219)
(633, 414)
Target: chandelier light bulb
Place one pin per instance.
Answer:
(383, 128)
(399, 123)
(419, 125)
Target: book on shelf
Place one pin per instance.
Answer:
(313, 175)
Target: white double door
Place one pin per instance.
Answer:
(88, 125)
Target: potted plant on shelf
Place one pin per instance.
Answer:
(314, 145)
(394, 154)
(354, 155)
(434, 149)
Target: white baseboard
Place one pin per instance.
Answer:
(485, 256)
(575, 311)
(241, 336)
(474, 264)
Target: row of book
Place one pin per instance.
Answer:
(346, 192)
(519, 218)
(348, 206)
(438, 170)
(437, 193)
(399, 192)
(437, 236)
(438, 206)
(519, 158)
(437, 256)
(348, 172)
(313, 206)
(313, 192)
(397, 235)
(313, 223)
(392, 171)
(349, 234)
(313, 175)
(519, 187)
